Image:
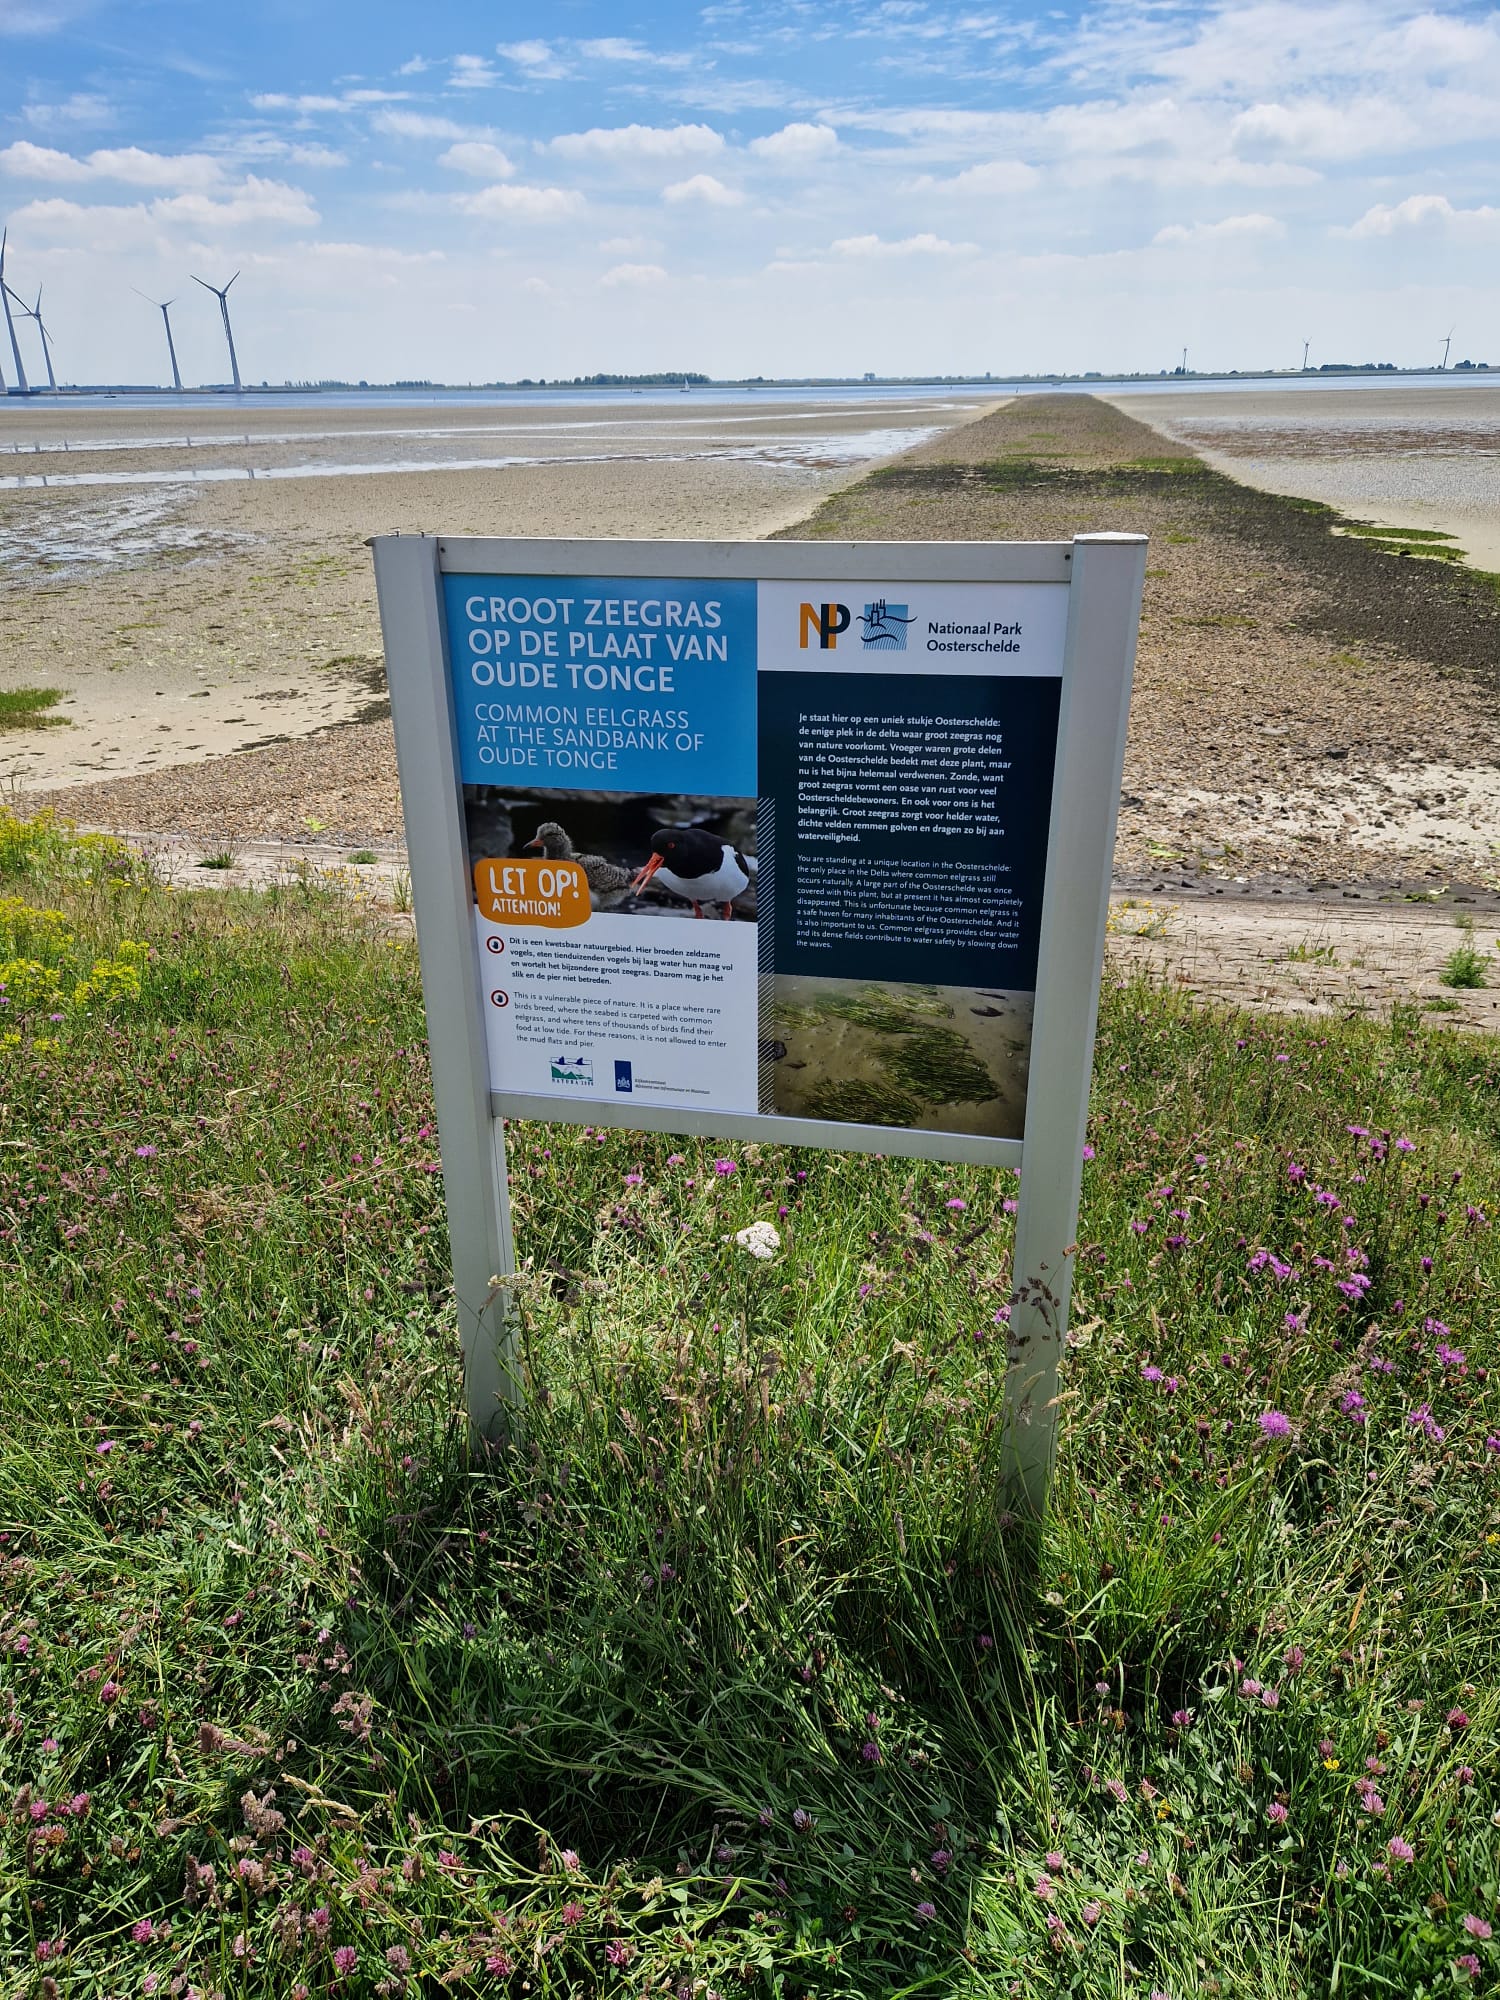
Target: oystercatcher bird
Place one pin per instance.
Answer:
(697, 866)
(608, 881)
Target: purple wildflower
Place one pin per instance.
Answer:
(1274, 1424)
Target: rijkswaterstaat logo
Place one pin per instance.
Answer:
(884, 626)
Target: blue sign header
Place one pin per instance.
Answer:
(609, 684)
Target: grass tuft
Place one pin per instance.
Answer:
(27, 708)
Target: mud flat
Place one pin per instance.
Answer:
(1310, 711)
(195, 583)
(1391, 454)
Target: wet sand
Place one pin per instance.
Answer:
(1310, 714)
(1390, 454)
(187, 610)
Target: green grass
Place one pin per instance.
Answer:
(27, 708)
(1368, 531)
(1466, 965)
(738, 1662)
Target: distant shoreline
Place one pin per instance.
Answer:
(707, 387)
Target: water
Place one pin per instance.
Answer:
(811, 392)
(824, 450)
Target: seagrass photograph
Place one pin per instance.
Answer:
(1047, 1551)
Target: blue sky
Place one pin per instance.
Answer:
(467, 192)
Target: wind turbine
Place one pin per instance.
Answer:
(1448, 343)
(1305, 346)
(35, 312)
(10, 325)
(222, 295)
(161, 306)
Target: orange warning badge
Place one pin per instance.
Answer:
(553, 894)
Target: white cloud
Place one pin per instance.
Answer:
(639, 142)
(253, 202)
(536, 59)
(703, 187)
(472, 73)
(129, 164)
(479, 158)
(420, 125)
(615, 48)
(1317, 129)
(923, 245)
(988, 177)
(1422, 211)
(276, 100)
(623, 49)
(416, 67)
(629, 246)
(1239, 228)
(17, 17)
(521, 204)
(633, 274)
(796, 145)
(316, 156)
(84, 107)
(310, 104)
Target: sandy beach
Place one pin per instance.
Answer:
(195, 582)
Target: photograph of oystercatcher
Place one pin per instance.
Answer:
(699, 868)
(923, 1058)
(675, 855)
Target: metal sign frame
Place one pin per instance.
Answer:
(1104, 574)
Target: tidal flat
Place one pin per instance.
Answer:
(193, 582)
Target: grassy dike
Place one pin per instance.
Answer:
(735, 1677)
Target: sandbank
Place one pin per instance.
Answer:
(188, 610)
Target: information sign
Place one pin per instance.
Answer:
(798, 841)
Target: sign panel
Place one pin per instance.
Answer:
(759, 846)
(785, 840)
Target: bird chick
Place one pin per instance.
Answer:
(608, 882)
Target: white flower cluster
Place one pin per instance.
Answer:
(760, 1240)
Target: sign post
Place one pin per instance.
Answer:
(801, 842)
